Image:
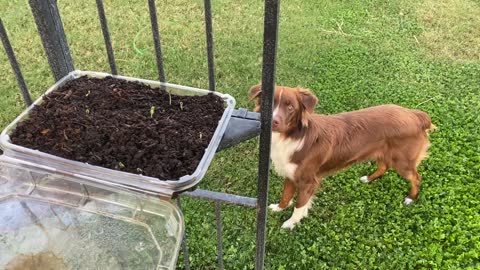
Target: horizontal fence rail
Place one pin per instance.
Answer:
(222, 197)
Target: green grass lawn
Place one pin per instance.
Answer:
(421, 54)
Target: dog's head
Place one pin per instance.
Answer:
(291, 107)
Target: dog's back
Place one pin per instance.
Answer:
(389, 133)
(386, 121)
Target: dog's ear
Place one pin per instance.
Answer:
(255, 91)
(307, 99)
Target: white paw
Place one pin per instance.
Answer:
(289, 224)
(364, 179)
(275, 208)
(407, 201)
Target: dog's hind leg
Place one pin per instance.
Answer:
(415, 180)
(407, 169)
(406, 162)
(382, 168)
(287, 196)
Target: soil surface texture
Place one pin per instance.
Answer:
(121, 125)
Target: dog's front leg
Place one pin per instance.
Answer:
(287, 196)
(304, 202)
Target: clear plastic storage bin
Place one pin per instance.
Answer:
(164, 187)
(49, 220)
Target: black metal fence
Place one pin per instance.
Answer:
(244, 125)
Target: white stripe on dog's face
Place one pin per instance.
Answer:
(275, 111)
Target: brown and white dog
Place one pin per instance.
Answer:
(306, 147)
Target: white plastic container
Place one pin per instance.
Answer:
(163, 187)
(55, 221)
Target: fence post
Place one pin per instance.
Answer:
(106, 37)
(218, 217)
(156, 40)
(209, 36)
(53, 37)
(14, 64)
(186, 259)
(270, 43)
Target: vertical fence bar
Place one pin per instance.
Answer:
(218, 215)
(156, 39)
(50, 28)
(106, 36)
(270, 43)
(186, 260)
(13, 62)
(209, 34)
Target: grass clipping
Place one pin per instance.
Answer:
(451, 29)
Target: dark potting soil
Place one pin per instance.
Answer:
(127, 126)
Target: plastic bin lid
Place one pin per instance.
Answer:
(52, 221)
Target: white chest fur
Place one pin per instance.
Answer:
(281, 154)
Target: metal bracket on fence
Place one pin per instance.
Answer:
(243, 126)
